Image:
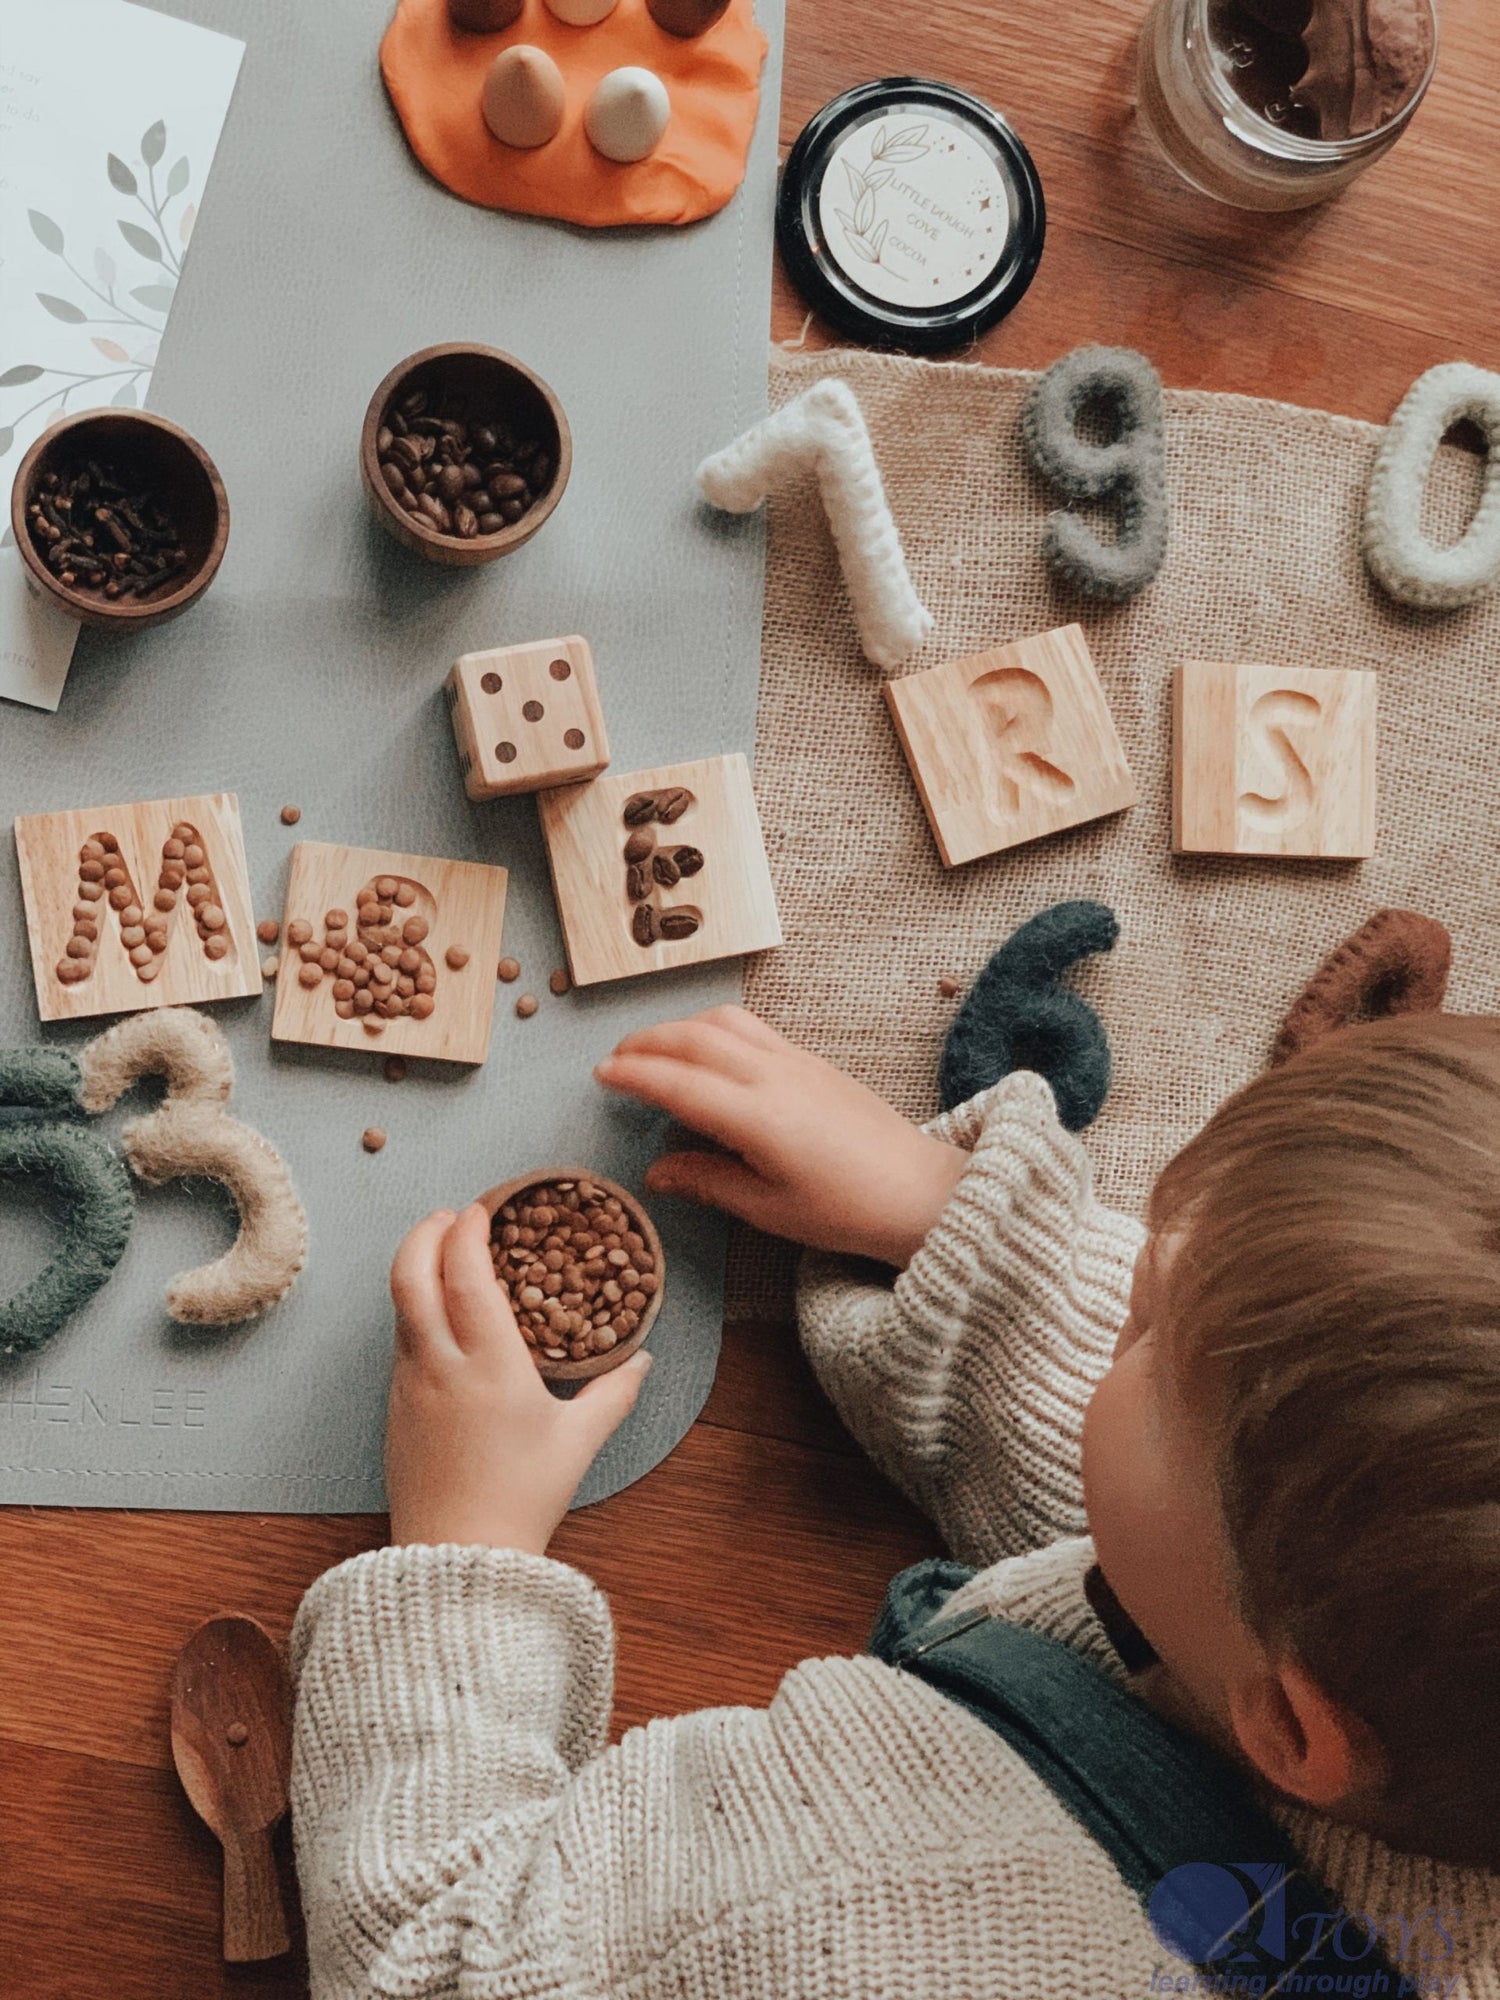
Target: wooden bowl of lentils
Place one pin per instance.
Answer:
(582, 1264)
(464, 453)
(120, 518)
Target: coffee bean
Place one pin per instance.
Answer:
(671, 805)
(639, 807)
(638, 882)
(678, 923)
(689, 860)
(474, 471)
(640, 844)
(643, 925)
(666, 871)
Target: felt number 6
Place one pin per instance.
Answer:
(1128, 472)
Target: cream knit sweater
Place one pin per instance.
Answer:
(462, 1829)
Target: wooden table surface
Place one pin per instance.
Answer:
(763, 1520)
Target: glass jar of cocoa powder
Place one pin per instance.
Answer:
(1276, 104)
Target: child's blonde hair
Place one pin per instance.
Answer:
(1336, 1294)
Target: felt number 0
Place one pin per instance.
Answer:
(1127, 472)
(1400, 557)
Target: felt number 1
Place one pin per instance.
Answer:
(1125, 470)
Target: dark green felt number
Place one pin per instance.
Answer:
(1019, 1015)
(85, 1182)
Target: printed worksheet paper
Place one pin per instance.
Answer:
(110, 114)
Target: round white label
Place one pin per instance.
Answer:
(914, 209)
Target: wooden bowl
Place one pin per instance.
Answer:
(597, 1364)
(496, 388)
(172, 466)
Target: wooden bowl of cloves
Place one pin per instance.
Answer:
(120, 518)
(465, 452)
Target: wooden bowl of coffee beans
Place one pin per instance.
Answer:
(120, 517)
(582, 1264)
(464, 453)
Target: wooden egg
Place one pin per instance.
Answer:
(627, 114)
(686, 17)
(523, 96)
(583, 13)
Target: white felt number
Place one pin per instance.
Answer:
(1400, 556)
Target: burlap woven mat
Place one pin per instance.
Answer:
(1263, 564)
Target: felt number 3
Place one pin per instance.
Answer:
(1127, 470)
(43, 1091)
(41, 1143)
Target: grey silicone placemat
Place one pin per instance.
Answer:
(311, 672)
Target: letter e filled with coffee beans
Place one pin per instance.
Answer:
(660, 868)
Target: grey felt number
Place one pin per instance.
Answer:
(1018, 1015)
(1122, 392)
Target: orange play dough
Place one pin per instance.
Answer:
(435, 72)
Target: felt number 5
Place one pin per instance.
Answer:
(1126, 471)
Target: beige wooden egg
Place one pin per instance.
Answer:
(627, 114)
(582, 13)
(523, 96)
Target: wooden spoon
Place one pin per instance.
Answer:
(232, 1745)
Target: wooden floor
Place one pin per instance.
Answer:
(762, 1522)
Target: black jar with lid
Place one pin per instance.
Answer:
(910, 214)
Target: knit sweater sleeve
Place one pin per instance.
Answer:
(446, 1698)
(967, 1379)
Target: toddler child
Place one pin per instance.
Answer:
(1231, 1484)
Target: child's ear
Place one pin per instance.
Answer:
(1305, 1743)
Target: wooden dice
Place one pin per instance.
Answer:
(1008, 745)
(1273, 760)
(527, 717)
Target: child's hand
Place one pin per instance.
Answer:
(818, 1157)
(477, 1449)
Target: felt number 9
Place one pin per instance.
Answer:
(1019, 1016)
(1121, 389)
